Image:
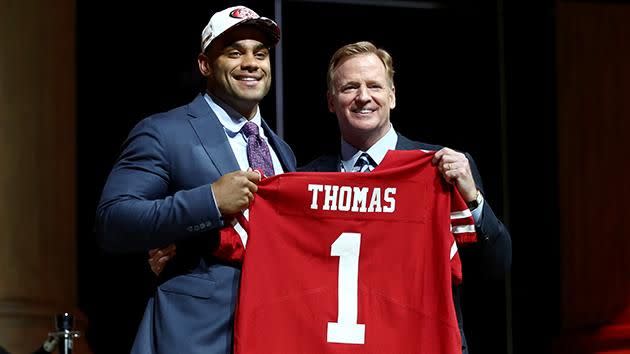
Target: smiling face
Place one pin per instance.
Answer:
(238, 68)
(361, 95)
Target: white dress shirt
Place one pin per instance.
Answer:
(350, 155)
(232, 122)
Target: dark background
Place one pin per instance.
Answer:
(475, 76)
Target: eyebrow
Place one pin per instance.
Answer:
(357, 82)
(258, 47)
(349, 83)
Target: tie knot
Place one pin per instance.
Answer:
(364, 163)
(250, 128)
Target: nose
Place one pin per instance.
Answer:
(363, 94)
(249, 62)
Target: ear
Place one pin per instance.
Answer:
(392, 98)
(204, 64)
(329, 99)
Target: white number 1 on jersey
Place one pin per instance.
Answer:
(346, 330)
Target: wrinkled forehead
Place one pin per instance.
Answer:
(363, 67)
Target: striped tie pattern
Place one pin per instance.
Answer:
(364, 163)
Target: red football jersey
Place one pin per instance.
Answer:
(353, 262)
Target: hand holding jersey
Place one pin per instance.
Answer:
(354, 262)
(307, 217)
(361, 94)
(174, 183)
(234, 191)
(455, 168)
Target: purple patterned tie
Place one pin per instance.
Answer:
(257, 149)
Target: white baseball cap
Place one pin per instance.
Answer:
(233, 16)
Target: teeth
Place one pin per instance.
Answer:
(365, 111)
(248, 79)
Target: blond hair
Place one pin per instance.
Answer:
(360, 48)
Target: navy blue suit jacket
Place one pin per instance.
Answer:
(158, 193)
(495, 241)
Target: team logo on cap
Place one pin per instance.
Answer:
(243, 13)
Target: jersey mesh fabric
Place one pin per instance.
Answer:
(292, 287)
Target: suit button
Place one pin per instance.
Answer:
(196, 228)
(189, 228)
(208, 224)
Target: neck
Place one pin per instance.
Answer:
(360, 142)
(246, 109)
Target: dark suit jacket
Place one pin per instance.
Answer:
(158, 193)
(495, 241)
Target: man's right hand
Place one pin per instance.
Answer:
(234, 191)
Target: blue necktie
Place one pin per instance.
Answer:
(364, 163)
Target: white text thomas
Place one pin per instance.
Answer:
(353, 199)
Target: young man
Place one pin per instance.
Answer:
(182, 173)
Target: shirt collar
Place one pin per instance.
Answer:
(231, 120)
(350, 154)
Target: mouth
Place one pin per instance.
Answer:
(363, 111)
(247, 80)
(247, 77)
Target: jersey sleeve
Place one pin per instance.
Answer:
(232, 240)
(463, 231)
(462, 222)
(456, 265)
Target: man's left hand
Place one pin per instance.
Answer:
(158, 257)
(455, 169)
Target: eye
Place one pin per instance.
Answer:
(261, 55)
(234, 54)
(348, 88)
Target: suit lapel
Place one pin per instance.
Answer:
(282, 153)
(332, 164)
(406, 144)
(212, 137)
(328, 163)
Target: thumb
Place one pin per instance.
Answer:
(254, 175)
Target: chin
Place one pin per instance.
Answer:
(363, 125)
(253, 96)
